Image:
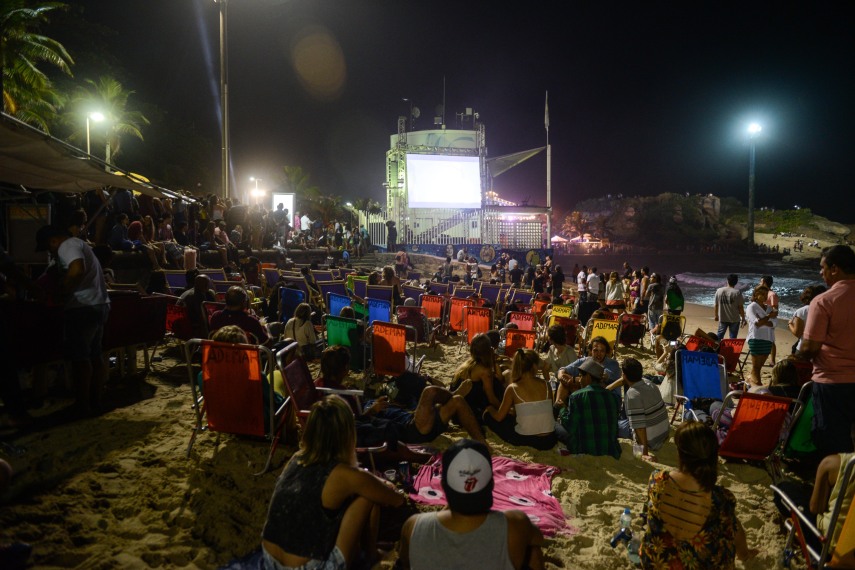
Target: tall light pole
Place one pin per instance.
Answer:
(224, 94)
(753, 130)
(256, 192)
(94, 116)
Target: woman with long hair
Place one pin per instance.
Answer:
(325, 510)
(479, 379)
(615, 293)
(761, 333)
(529, 397)
(300, 328)
(797, 323)
(691, 521)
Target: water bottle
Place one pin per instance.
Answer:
(626, 519)
(624, 532)
(632, 550)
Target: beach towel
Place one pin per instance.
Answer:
(518, 485)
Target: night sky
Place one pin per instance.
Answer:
(643, 98)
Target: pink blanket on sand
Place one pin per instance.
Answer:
(518, 485)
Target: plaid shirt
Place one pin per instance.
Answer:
(591, 420)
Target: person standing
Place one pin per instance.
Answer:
(582, 284)
(391, 236)
(828, 342)
(772, 301)
(87, 306)
(729, 309)
(761, 327)
(592, 284)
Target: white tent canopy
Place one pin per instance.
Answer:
(558, 239)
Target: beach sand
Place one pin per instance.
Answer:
(117, 491)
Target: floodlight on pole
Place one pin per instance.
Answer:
(753, 130)
(256, 193)
(94, 116)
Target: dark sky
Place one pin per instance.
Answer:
(644, 98)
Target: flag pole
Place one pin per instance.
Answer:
(548, 174)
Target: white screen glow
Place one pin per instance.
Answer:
(438, 181)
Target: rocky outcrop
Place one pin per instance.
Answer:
(830, 227)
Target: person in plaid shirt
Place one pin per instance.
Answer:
(589, 422)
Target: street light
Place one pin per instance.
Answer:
(94, 116)
(753, 130)
(256, 193)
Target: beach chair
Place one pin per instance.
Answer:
(539, 307)
(516, 339)
(411, 292)
(336, 287)
(221, 288)
(288, 301)
(414, 275)
(177, 323)
(335, 303)
(525, 321)
(379, 310)
(237, 391)
(522, 298)
(798, 440)
(559, 311)
(433, 305)
(463, 292)
(632, 329)
(176, 281)
(134, 322)
(700, 376)
(571, 328)
(805, 371)
(671, 327)
(322, 275)
(439, 288)
(271, 276)
(303, 393)
(454, 322)
(491, 292)
(360, 288)
(606, 328)
(382, 292)
(208, 310)
(756, 427)
(692, 342)
(476, 320)
(390, 356)
(730, 349)
(585, 310)
(341, 331)
(839, 554)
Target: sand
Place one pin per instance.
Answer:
(118, 492)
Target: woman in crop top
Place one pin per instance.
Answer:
(323, 507)
(530, 399)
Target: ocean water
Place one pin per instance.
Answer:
(700, 288)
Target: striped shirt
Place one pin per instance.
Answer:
(645, 409)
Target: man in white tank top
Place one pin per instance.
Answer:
(468, 534)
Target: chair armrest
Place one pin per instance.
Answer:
(339, 391)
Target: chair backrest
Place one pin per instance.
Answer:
(490, 292)
(570, 326)
(525, 321)
(340, 330)
(539, 308)
(414, 275)
(455, 313)
(335, 303)
(209, 308)
(389, 346)
(222, 286)
(134, 319)
(805, 371)
(232, 386)
(516, 339)
(671, 326)
(412, 291)
(605, 328)
(321, 275)
(756, 428)
(439, 288)
(632, 328)
(696, 342)
(301, 389)
(360, 287)
(477, 320)
(561, 311)
(730, 349)
(433, 305)
(383, 292)
(327, 287)
(176, 281)
(271, 276)
(700, 374)
(463, 292)
(214, 273)
(178, 321)
(522, 297)
(379, 310)
(799, 441)
(288, 301)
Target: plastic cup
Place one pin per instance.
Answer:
(391, 475)
(637, 450)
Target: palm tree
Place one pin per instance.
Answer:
(110, 98)
(28, 93)
(297, 180)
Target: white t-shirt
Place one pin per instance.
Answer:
(512, 264)
(305, 223)
(582, 281)
(92, 290)
(754, 313)
(593, 282)
(801, 313)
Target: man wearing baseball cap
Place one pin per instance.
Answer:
(86, 308)
(469, 534)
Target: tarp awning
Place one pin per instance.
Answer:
(501, 164)
(37, 161)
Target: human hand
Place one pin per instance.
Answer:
(380, 404)
(648, 457)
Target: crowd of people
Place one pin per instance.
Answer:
(325, 510)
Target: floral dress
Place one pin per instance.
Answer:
(713, 546)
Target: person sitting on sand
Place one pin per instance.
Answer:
(525, 415)
(691, 521)
(646, 416)
(589, 422)
(560, 354)
(479, 380)
(469, 533)
(324, 509)
(569, 377)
